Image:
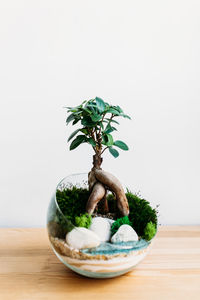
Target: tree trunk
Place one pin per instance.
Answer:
(99, 182)
(97, 161)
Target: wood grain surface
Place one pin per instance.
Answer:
(30, 270)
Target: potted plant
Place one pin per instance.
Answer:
(97, 228)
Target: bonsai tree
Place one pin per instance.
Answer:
(97, 120)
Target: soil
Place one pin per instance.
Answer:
(108, 215)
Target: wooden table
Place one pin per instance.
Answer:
(30, 270)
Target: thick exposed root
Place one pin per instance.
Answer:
(98, 192)
(115, 186)
(99, 182)
(104, 204)
(91, 179)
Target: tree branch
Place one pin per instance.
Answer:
(91, 134)
(104, 150)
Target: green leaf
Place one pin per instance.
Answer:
(125, 116)
(118, 108)
(113, 111)
(91, 141)
(73, 134)
(91, 106)
(100, 104)
(85, 101)
(107, 105)
(78, 140)
(70, 118)
(114, 152)
(121, 145)
(73, 110)
(87, 121)
(109, 129)
(86, 110)
(114, 121)
(96, 118)
(101, 125)
(84, 130)
(109, 120)
(76, 121)
(107, 139)
(78, 113)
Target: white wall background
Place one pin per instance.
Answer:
(142, 55)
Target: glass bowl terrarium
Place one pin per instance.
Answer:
(96, 227)
(105, 259)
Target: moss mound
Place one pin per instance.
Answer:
(72, 202)
(83, 220)
(149, 231)
(141, 213)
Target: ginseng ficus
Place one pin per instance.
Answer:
(97, 120)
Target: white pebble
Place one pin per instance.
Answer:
(81, 237)
(102, 227)
(125, 233)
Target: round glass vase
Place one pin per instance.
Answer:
(107, 260)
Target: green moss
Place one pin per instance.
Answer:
(141, 213)
(83, 221)
(149, 231)
(112, 203)
(115, 226)
(72, 202)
